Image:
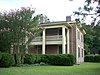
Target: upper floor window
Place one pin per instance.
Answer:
(82, 52)
(78, 35)
(81, 38)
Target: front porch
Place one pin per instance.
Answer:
(53, 36)
(49, 49)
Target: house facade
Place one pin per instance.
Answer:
(60, 38)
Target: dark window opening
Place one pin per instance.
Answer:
(60, 49)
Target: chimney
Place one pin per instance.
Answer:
(42, 19)
(68, 18)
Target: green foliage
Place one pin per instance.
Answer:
(29, 59)
(17, 25)
(89, 58)
(35, 58)
(44, 59)
(61, 60)
(17, 30)
(41, 58)
(72, 59)
(90, 9)
(5, 42)
(97, 58)
(92, 38)
(38, 58)
(52, 59)
(0, 55)
(92, 58)
(6, 60)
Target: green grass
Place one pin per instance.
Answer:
(83, 69)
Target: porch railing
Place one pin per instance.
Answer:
(37, 39)
(54, 38)
(48, 38)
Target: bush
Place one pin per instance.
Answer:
(41, 58)
(38, 58)
(61, 59)
(89, 58)
(97, 58)
(44, 59)
(6, 60)
(72, 59)
(92, 58)
(34, 58)
(52, 59)
(29, 59)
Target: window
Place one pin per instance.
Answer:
(81, 38)
(78, 35)
(52, 31)
(78, 51)
(82, 52)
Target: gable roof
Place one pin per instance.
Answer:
(67, 24)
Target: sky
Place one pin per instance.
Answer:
(55, 10)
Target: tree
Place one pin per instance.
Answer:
(90, 8)
(22, 28)
(92, 39)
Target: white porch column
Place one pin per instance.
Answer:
(63, 41)
(43, 42)
(68, 41)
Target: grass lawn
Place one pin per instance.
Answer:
(83, 69)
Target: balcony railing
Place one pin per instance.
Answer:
(54, 38)
(48, 38)
(37, 39)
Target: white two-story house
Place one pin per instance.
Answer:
(60, 38)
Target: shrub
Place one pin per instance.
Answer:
(34, 58)
(29, 59)
(97, 58)
(92, 58)
(38, 58)
(89, 58)
(44, 59)
(61, 59)
(52, 59)
(72, 59)
(6, 60)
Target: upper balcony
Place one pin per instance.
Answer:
(56, 39)
(52, 36)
